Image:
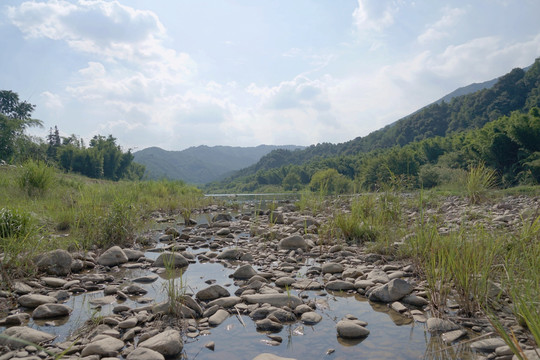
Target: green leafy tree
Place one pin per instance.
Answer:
(15, 117)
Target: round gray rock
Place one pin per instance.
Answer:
(12, 337)
(348, 329)
(105, 346)
(56, 262)
(293, 242)
(212, 292)
(34, 300)
(112, 257)
(167, 343)
(244, 272)
(172, 260)
(141, 353)
(311, 318)
(47, 311)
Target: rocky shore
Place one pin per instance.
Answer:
(277, 260)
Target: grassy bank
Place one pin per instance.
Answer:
(43, 209)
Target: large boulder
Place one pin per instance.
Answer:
(168, 343)
(56, 262)
(395, 290)
(212, 292)
(244, 272)
(19, 336)
(170, 260)
(293, 242)
(112, 257)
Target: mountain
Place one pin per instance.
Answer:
(519, 90)
(201, 164)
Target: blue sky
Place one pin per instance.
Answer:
(179, 73)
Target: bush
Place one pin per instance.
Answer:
(35, 178)
(14, 223)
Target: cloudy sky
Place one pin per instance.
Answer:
(181, 73)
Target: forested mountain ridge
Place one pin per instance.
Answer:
(201, 164)
(519, 90)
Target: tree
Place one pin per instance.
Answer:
(15, 117)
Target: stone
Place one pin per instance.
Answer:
(440, 325)
(278, 300)
(529, 354)
(47, 311)
(170, 260)
(487, 345)
(451, 336)
(112, 257)
(168, 343)
(146, 279)
(399, 307)
(283, 315)
(34, 300)
(132, 254)
(219, 317)
(142, 353)
(211, 345)
(56, 262)
(231, 254)
(244, 272)
(103, 346)
(293, 242)
(268, 325)
(332, 268)
(395, 290)
(222, 217)
(212, 292)
(53, 281)
(339, 285)
(348, 329)
(378, 276)
(415, 300)
(307, 284)
(11, 337)
(311, 318)
(267, 356)
(225, 302)
(363, 284)
(128, 323)
(285, 281)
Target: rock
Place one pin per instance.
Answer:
(451, 336)
(339, 285)
(332, 268)
(141, 353)
(244, 272)
(529, 354)
(16, 319)
(268, 325)
(283, 316)
(440, 325)
(392, 291)
(146, 279)
(399, 307)
(293, 242)
(133, 255)
(231, 254)
(212, 292)
(307, 284)
(363, 284)
(170, 260)
(128, 323)
(56, 262)
(104, 346)
(311, 318)
(348, 329)
(47, 311)
(167, 343)
(34, 300)
(223, 232)
(219, 317)
(267, 356)
(285, 281)
(222, 217)
(487, 345)
(211, 345)
(415, 300)
(11, 337)
(225, 302)
(278, 300)
(112, 257)
(53, 281)
(378, 276)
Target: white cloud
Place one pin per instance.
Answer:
(52, 101)
(375, 15)
(441, 28)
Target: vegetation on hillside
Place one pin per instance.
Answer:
(496, 126)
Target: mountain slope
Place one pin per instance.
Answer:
(201, 164)
(519, 90)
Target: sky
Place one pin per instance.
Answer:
(182, 73)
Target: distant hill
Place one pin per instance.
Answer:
(201, 164)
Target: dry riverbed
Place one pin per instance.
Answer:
(262, 285)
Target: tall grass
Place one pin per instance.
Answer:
(35, 177)
(479, 180)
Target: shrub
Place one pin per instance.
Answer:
(14, 223)
(480, 179)
(35, 177)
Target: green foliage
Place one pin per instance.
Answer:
(329, 181)
(14, 223)
(479, 180)
(35, 177)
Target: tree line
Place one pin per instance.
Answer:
(103, 158)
